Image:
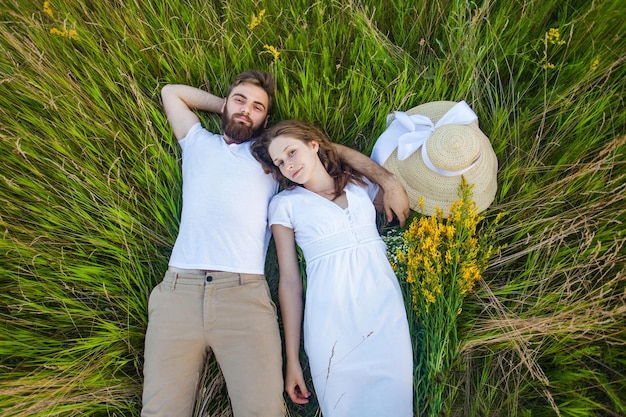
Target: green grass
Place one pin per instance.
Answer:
(90, 185)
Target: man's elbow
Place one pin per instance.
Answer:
(167, 90)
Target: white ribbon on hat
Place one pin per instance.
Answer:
(409, 133)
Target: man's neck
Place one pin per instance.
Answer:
(229, 141)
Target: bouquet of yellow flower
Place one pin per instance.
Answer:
(440, 260)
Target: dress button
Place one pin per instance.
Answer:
(209, 278)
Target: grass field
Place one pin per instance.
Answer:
(90, 180)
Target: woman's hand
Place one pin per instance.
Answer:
(295, 386)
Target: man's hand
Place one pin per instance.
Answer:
(395, 200)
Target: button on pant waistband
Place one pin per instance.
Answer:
(215, 277)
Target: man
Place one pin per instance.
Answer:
(214, 296)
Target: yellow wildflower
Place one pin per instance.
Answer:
(47, 9)
(72, 34)
(256, 20)
(545, 64)
(272, 50)
(594, 64)
(59, 32)
(428, 296)
(449, 232)
(554, 37)
(470, 274)
(428, 265)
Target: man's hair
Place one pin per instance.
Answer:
(259, 78)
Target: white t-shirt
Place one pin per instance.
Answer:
(226, 194)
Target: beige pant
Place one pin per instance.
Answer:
(231, 314)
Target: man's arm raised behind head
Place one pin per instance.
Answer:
(179, 103)
(395, 199)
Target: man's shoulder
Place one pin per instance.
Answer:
(198, 132)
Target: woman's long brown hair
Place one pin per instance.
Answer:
(306, 132)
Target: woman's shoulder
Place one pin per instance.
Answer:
(295, 192)
(359, 187)
(283, 207)
(290, 197)
(369, 189)
(282, 198)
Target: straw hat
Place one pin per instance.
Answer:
(455, 150)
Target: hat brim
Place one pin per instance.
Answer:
(438, 191)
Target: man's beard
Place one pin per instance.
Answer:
(237, 131)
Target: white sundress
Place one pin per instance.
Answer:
(356, 334)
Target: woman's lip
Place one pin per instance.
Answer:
(296, 173)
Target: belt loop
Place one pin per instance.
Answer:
(175, 280)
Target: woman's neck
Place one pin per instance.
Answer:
(321, 184)
(326, 188)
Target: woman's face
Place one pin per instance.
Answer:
(297, 160)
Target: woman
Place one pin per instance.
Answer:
(355, 327)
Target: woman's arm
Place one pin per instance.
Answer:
(395, 199)
(290, 298)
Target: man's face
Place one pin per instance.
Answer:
(245, 113)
